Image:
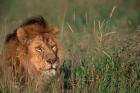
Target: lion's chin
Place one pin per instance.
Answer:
(49, 73)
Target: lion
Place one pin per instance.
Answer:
(32, 55)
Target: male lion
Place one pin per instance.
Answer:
(31, 54)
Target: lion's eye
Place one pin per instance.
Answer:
(38, 49)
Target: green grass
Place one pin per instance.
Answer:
(101, 54)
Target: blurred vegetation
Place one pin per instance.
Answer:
(101, 45)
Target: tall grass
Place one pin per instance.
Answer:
(100, 42)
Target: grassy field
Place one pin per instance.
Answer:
(100, 38)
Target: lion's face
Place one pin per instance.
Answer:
(42, 49)
(42, 52)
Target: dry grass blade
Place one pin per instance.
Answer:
(112, 11)
(106, 54)
(70, 27)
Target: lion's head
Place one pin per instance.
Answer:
(32, 51)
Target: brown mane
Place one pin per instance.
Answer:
(34, 20)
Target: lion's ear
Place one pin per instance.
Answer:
(21, 35)
(54, 31)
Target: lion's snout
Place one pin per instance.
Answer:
(51, 61)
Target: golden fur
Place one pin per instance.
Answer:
(32, 54)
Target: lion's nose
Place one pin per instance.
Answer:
(51, 61)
